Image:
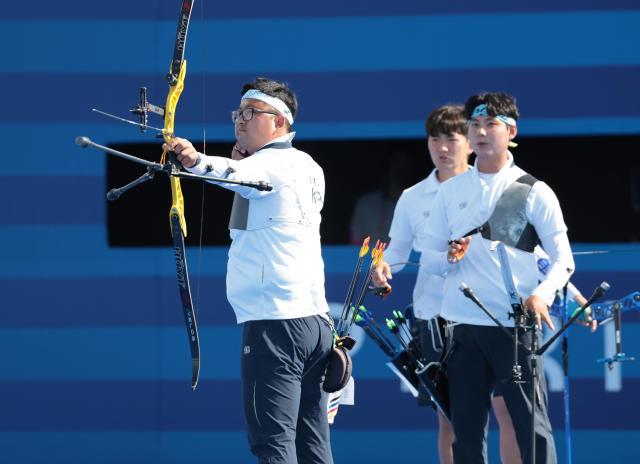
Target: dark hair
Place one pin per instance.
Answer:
(446, 120)
(274, 89)
(497, 104)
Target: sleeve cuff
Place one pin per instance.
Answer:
(546, 291)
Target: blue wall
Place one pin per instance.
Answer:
(94, 364)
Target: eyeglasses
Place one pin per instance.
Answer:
(247, 113)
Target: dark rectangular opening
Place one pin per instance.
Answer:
(595, 179)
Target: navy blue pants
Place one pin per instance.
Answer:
(483, 357)
(282, 367)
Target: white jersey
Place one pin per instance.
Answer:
(466, 202)
(275, 268)
(408, 230)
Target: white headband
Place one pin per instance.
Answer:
(273, 101)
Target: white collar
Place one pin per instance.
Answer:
(432, 183)
(504, 169)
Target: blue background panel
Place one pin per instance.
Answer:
(374, 447)
(94, 362)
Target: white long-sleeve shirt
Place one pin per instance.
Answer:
(466, 202)
(275, 268)
(407, 232)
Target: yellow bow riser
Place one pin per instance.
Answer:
(177, 199)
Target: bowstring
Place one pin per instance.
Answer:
(204, 150)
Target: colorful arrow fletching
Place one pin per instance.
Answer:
(365, 247)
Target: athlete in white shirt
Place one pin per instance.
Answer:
(449, 150)
(275, 276)
(461, 246)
